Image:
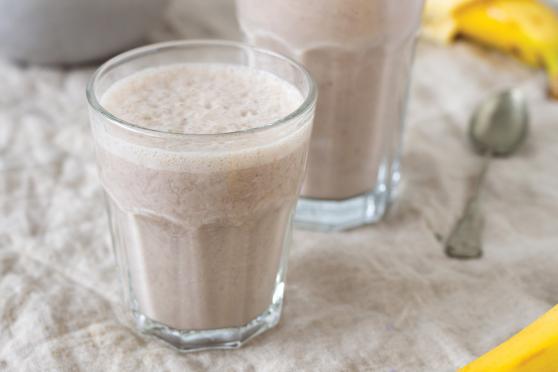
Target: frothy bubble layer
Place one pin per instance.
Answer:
(201, 98)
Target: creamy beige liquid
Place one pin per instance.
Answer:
(360, 53)
(201, 228)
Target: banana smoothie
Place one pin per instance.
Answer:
(201, 189)
(360, 53)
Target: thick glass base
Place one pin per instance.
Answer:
(337, 215)
(225, 338)
(328, 215)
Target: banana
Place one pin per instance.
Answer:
(439, 23)
(534, 349)
(526, 29)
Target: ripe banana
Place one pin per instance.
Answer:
(527, 29)
(534, 349)
(439, 23)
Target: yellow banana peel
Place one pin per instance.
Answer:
(439, 23)
(534, 349)
(528, 29)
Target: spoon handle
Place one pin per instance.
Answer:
(465, 239)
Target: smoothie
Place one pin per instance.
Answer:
(200, 224)
(360, 53)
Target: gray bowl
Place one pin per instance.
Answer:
(73, 31)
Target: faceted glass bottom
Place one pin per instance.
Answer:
(225, 338)
(337, 215)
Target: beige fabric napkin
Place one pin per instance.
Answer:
(381, 298)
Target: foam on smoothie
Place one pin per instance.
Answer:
(201, 99)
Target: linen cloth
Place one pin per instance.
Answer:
(378, 298)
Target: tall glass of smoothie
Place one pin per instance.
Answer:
(360, 52)
(201, 150)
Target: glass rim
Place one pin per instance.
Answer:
(305, 107)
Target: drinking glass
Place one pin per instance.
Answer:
(360, 53)
(200, 223)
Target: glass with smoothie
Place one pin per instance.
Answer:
(201, 149)
(360, 52)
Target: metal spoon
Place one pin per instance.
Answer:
(497, 128)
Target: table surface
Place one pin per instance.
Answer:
(379, 298)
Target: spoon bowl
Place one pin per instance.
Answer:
(499, 125)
